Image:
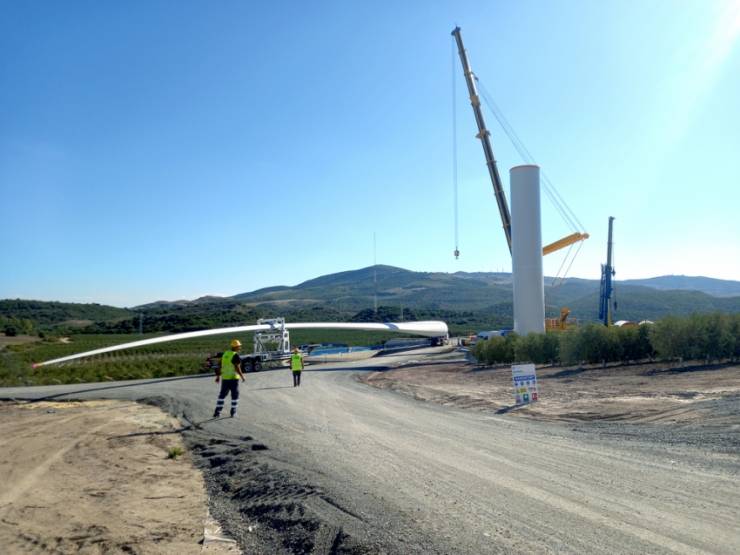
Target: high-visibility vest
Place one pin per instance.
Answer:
(228, 372)
(296, 362)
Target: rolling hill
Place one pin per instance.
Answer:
(465, 299)
(480, 291)
(710, 286)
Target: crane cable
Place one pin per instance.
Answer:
(454, 150)
(565, 212)
(559, 279)
(562, 207)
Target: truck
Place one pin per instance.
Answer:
(270, 347)
(493, 333)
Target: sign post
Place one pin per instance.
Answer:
(525, 383)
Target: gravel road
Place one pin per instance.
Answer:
(336, 466)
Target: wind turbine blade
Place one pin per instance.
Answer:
(154, 341)
(427, 329)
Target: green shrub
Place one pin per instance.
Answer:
(590, 343)
(699, 336)
(714, 336)
(481, 353)
(540, 348)
(174, 452)
(671, 338)
(734, 327)
(636, 343)
(495, 350)
(501, 349)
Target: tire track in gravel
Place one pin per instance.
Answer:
(279, 512)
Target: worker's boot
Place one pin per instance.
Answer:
(233, 413)
(216, 413)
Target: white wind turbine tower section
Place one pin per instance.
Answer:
(425, 329)
(526, 250)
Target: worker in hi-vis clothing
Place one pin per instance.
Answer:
(296, 365)
(228, 375)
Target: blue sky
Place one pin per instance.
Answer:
(166, 150)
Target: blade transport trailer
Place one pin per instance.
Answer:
(270, 346)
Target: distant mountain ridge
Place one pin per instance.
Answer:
(355, 289)
(477, 290)
(710, 286)
(463, 298)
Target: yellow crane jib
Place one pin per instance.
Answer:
(564, 242)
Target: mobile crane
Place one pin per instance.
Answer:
(484, 136)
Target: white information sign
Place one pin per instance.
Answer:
(525, 383)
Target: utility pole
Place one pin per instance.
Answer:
(375, 277)
(484, 136)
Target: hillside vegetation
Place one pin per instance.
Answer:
(466, 301)
(48, 313)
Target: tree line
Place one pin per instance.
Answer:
(707, 337)
(17, 326)
(167, 318)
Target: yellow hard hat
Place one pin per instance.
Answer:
(235, 343)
